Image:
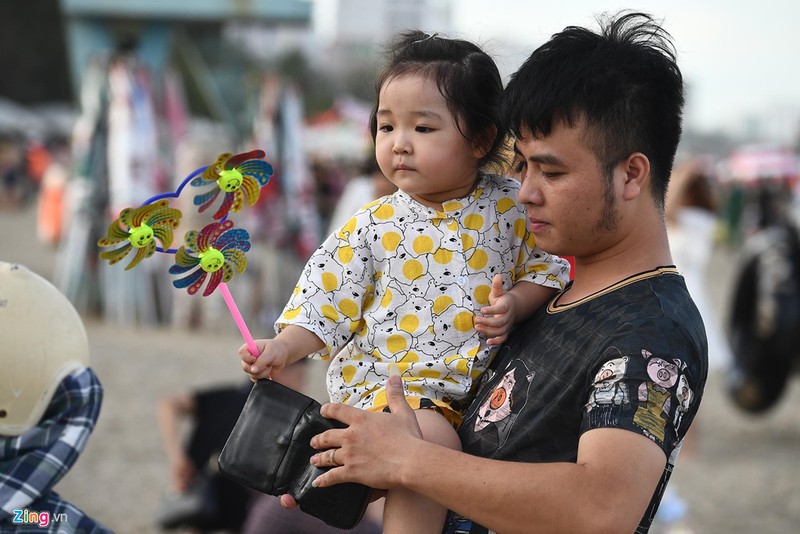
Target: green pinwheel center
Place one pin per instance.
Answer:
(141, 236)
(229, 180)
(211, 260)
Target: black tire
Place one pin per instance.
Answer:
(764, 345)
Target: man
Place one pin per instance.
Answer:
(577, 426)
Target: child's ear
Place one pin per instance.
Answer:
(483, 142)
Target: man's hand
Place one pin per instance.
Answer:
(374, 449)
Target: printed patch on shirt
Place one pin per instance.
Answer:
(500, 408)
(660, 399)
(610, 393)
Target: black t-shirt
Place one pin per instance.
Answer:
(632, 356)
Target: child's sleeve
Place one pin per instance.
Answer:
(530, 263)
(328, 298)
(535, 265)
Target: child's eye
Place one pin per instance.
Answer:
(385, 128)
(424, 129)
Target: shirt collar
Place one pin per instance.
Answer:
(450, 208)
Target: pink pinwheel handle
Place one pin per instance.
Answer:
(237, 317)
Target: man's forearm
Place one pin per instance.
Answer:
(523, 497)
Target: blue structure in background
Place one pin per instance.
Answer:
(97, 26)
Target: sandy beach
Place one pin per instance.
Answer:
(743, 477)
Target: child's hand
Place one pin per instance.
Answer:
(499, 316)
(274, 355)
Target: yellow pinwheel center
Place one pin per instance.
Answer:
(141, 236)
(229, 180)
(211, 260)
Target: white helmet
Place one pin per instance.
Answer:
(42, 340)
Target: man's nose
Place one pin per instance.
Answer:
(529, 192)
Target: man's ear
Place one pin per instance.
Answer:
(484, 142)
(637, 175)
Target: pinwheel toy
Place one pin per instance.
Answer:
(239, 177)
(217, 250)
(139, 228)
(214, 254)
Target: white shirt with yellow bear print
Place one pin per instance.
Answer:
(401, 283)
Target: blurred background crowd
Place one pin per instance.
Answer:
(122, 100)
(104, 104)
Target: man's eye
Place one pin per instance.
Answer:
(551, 175)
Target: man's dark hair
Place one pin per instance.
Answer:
(467, 78)
(624, 80)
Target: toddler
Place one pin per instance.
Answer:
(417, 279)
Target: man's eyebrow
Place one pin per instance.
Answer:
(541, 159)
(547, 159)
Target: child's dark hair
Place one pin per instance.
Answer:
(466, 76)
(623, 80)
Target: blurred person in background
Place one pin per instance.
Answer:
(198, 498)
(691, 211)
(329, 182)
(13, 180)
(53, 162)
(50, 401)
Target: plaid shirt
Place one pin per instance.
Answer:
(31, 464)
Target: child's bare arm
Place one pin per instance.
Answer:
(292, 344)
(507, 308)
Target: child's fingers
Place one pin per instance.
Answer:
(494, 329)
(499, 307)
(259, 366)
(492, 321)
(497, 287)
(497, 340)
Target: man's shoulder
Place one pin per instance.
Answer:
(655, 293)
(653, 308)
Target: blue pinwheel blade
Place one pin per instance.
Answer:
(258, 169)
(188, 280)
(234, 238)
(180, 269)
(206, 197)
